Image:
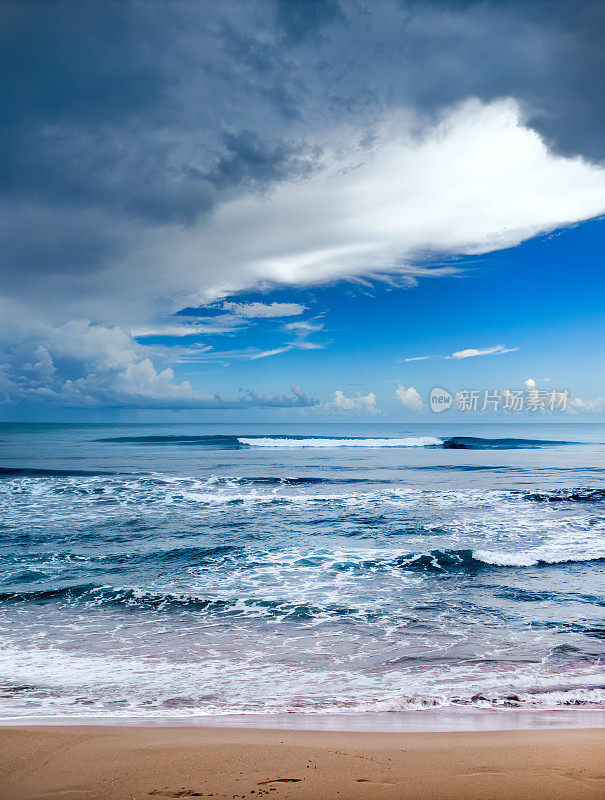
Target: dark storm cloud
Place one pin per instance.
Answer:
(249, 161)
(104, 108)
(301, 18)
(148, 114)
(549, 54)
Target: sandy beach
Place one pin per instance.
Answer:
(115, 762)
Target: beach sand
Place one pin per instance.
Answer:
(72, 762)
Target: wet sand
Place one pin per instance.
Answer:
(114, 763)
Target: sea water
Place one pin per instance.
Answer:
(195, 571)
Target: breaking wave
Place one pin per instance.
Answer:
(302, 441)
(250, 566)
(452, 443)
(471, 560)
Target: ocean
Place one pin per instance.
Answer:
(197, 571)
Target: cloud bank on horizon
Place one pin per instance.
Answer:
(162, 160)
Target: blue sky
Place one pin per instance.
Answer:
(260, 210)
(542, 299)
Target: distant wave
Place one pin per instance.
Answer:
(30, 472)
(236, 442)
(223, 442)
(477, 443)
(219, 442)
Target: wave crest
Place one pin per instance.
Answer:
(463, 560)
(412, 441)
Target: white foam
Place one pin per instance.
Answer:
(539, 556)
(60, 683)
(422, 441)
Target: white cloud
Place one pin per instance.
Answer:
(478, 181)
(303, 329)
(304, 325)
(266, 353)
(258, 310)
(81, 364)
(417, 358)
(365, 404)
(590, 406)
(486, 351)
(530, 383)
(409, 398)
(170, 330)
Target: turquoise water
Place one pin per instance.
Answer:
(194, 570)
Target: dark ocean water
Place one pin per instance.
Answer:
(194, 570)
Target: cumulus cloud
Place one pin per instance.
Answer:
(366, 404)
(471, 352)
(409, 398)
(86, 365)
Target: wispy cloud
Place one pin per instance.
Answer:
(304, 325)
(472, 352)
(263, 310)
(202, 353)
(205, 326)
(303, 329)
(205, 353)
(266, 353)
(174, 331)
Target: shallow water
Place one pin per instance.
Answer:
(195, 570)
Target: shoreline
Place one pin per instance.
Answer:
(426, 721)
(117, 762)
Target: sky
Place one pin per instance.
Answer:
(302, 210)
